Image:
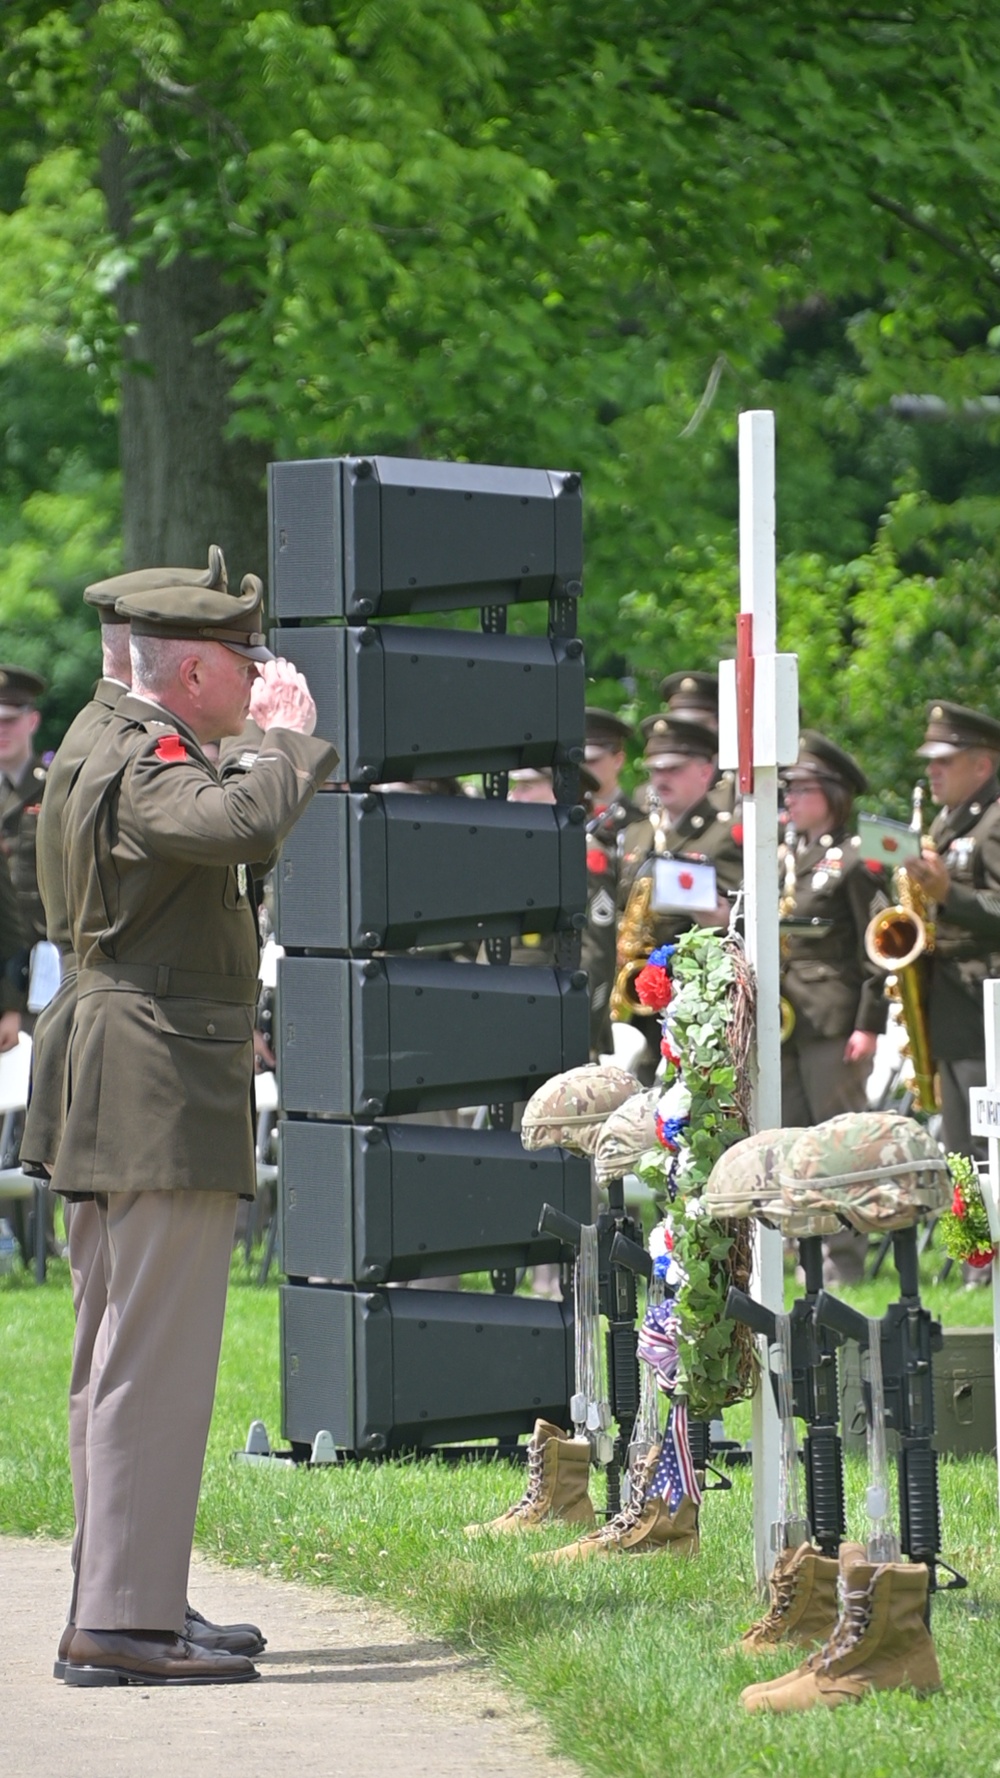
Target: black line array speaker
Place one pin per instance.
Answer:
(405, 1037)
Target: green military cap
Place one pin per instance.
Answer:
(602, 728)
(202, 614)
(822, 759)
(20, 689)
(671, 739)
(950, 727)
(106, 593)
(694, 697)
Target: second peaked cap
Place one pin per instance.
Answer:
(821, 758)
(670, 739)
(694, 697)
(201, 613)
(952, 727)
(106, 593)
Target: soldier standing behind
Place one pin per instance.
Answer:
(694, 697)
(681, 823)
(962, 876)
(22, 781)
(834, 996)
(610, 812)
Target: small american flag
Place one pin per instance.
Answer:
(675, 1474)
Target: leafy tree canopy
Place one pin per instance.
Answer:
(548, 232)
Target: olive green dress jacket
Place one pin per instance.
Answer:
(158, 1077)
(967, 941)
(50, 1039)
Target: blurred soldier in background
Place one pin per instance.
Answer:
(610, 812)
(833, 997)
(22, 781)
(960, 872)
(682, 823)
(694, 697)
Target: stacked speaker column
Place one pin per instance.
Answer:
(378, 894)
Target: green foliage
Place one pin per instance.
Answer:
(557, 232)
(965, 1228)
(712, 1372)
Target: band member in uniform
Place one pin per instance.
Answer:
(681, 823)
(694, 697)
(961, 874)
(158, 1120)
(834, 1003)
(610, 811)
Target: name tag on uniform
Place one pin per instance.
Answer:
(241, 878)
(681, 886)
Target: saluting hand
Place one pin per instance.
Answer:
(280, 698)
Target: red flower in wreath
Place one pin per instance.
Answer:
(653, 987)
(979, 1259)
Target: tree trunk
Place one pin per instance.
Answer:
(184, 484)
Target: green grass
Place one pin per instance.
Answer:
(625, 1658)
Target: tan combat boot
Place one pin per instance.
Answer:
(644, 1525)
(803, 1606)
(881, 1643)
(558, 1477)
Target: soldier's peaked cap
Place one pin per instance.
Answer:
(605, 728)
(692, 691)
(20, 688)
(822, 759)
(669, 739)
(106, 593)
(950, 727)
(202, 614)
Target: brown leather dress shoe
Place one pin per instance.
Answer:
(149, 1657)
(233, 1639)
(59, 1664)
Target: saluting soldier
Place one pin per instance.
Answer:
(962, 876)
(43, 1124)
(681, 823)
(158, 1119)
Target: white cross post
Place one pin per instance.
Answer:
(759, 723)
(984, 1117)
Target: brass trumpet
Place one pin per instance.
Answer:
(899, 940)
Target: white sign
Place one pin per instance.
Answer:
(984, 1111)
(681, 886)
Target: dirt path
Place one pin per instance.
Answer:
(345, 1689)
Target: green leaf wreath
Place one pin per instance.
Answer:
(707, 1035)
(965, 1228)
